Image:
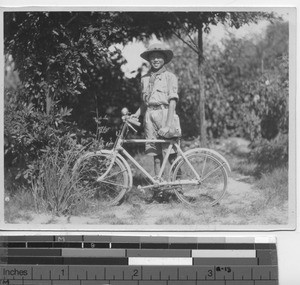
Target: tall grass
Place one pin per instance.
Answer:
(56, 187)
(274, 186)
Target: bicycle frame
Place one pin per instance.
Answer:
(118, 148)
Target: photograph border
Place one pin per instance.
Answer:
(191, 228)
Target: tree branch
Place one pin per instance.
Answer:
(184, 41)
(190, 43)
(185, 29)
(71, 20)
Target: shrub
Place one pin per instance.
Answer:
(274, 186)
(269, 155)
(55, 186)
(28, 131)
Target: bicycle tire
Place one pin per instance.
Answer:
(213, 178)
(113, 186)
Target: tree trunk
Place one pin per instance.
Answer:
(201, 106)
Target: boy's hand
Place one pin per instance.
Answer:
(163, 131)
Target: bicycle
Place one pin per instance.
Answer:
(197, 175)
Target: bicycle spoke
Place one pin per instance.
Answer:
(111, 183)
(112, 188)
(212, 185)
(202, 172)
(114, 174)
(207, 175)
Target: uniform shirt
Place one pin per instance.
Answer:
(164, 88)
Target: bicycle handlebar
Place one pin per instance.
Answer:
(134, 121)
(129, 120)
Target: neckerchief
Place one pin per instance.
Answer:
(151, 82)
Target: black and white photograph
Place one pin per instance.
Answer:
(162, 119)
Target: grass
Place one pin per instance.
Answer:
(136, 212)
(18, 207)
(241, 166)
(177, 219)
(274, 186)
(112, 219)
(13, 214)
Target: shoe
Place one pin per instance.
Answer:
(163, 196)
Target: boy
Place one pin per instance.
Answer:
(159, 95)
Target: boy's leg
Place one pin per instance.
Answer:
(157, 163)
(162, 195)
(172, 157)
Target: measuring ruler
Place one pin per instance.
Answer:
(137, 260)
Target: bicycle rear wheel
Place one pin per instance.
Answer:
(213, 179)
(111, 189)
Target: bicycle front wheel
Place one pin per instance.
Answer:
(112, 187)
(212, 184)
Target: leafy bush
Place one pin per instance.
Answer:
(269, 155)
(28, 132)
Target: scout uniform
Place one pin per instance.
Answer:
(158, 88)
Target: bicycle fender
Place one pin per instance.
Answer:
(203, 150)
(212, 153)
(123, 160)
(119, 157)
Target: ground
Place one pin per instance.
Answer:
(242, 205)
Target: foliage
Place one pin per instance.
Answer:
(246, 89)
(70, 76)
(55, 187)
(269, 155)
(67, 57)
(28, 132)
(184, 25)
(56, 52)
(184, 66)
(274, 186)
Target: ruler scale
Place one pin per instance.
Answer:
(123, 260)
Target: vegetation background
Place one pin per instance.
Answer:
(64, 89)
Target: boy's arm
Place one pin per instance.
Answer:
(142, 109)
(172, 105)
(171, 112)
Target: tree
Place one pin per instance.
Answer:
(242, 98)
(253, 75)
(64, 61)
(56, 53)
(66, 56)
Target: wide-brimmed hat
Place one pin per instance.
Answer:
(160, 48)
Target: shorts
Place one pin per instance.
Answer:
(154, 120)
